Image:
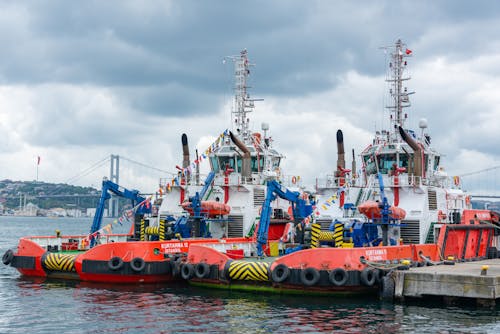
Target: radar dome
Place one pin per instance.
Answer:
(422, 123)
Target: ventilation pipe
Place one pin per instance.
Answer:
(340, 151)
(418, 153)
(245, 165)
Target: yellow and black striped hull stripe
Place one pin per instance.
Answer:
(60, 262)
(315, 232)
(161, 231)
(250, 271)
(142, 236)
(339, 235)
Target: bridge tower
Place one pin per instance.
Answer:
(114, 176)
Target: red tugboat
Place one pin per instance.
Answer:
(144, 255)
(316, 264)
(350, 247)
(222, 211)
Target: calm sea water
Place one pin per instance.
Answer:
(42, 306)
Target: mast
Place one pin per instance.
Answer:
(399, 94)
(243, 104)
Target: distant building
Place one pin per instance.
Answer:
(74, 213)
(57, 212)
(30, 210)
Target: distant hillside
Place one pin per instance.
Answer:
(47, 195)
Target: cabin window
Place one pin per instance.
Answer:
(214, 162)
(436, 163)
(238, 164)
(257, 164)
(385, 162)
(403, 161)
(226, 162)
(276, 163)
(370, 164)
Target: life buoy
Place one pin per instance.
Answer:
(338, 277)
(309, 276)
(7, 257)
(187, 271)
(280, 273)
(294, 180)
(367, 277)
(202, 270)
(467, 200)
(115, 263)
(456, 180)
(137, 264)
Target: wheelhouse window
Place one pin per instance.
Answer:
(215, 164)
(257, 164)
(227, 162)
(436, 163)
(403, 161)
(369, 164)
(385, 162)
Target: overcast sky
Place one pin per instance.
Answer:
(82, 80)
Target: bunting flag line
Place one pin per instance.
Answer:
(107, 229)
(189, 169)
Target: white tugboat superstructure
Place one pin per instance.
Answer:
(411, 171)
(242, 161)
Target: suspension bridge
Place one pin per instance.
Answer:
(484, 183)
(124, 171)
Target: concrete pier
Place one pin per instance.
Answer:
(461, 280)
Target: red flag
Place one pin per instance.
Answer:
(38, 161)
(408, 51)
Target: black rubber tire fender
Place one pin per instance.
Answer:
(137, 264)
(176, 267)
(7, 257)
(309, 276)
(379, 275)
(387, 288)
(338, 277)
(368, 277)
(187, 271)
(115, 263)
(202, 270)
(280, 273)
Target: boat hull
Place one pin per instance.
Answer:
(333, 270)
(114, 262)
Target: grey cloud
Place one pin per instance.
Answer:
(161, 59)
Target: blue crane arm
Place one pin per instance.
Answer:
(299, 206)
(385, 202)
(196, 199)
(111, 187)
(208, 182)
